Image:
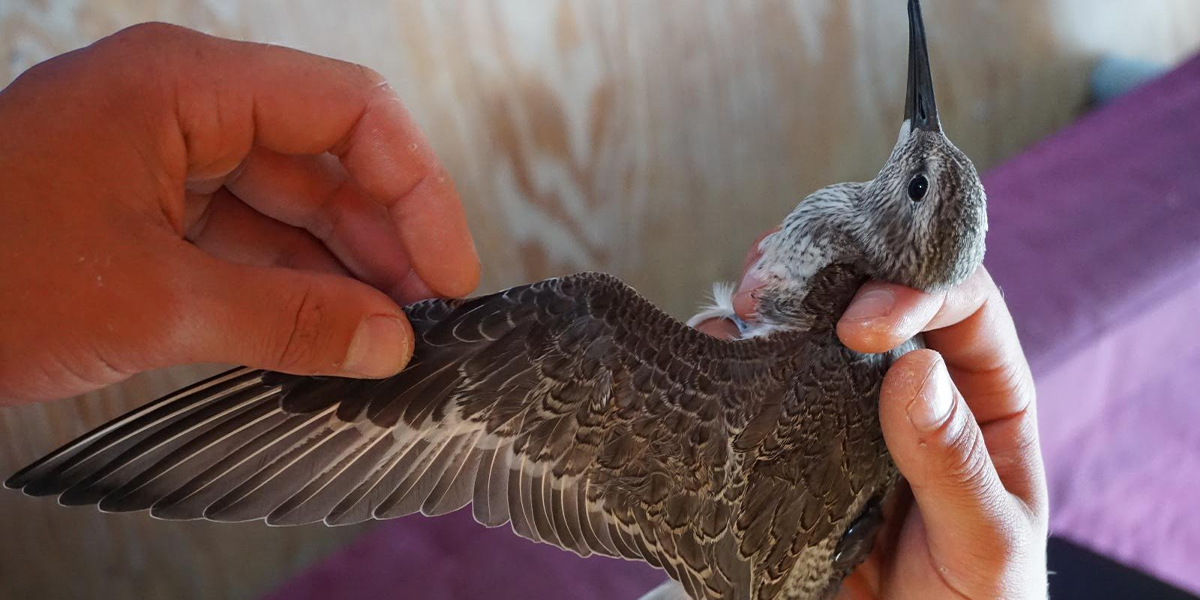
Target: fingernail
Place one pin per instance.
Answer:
(874, 303)
(379, 347)
(931, 406)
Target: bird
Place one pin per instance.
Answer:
(577, 412)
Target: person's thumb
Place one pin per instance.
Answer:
(936, 443)
(292, 321)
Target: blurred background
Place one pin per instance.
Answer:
(653, 140)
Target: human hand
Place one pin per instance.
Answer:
(960, 422)
(172, 197)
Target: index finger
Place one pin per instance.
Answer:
(237, 95)
(968, 324)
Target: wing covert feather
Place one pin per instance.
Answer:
(571, 408)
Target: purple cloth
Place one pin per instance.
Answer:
(454, 558)
(1096, 244)
(1095, 240)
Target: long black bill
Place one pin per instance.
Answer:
(921, 109)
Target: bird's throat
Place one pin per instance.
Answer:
(817, 305)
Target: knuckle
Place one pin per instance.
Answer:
(141, 62)
(979, 288)
(966, 300)
(369, 78)
(1009, 383)
(982, 281)
(121, 68)
(966, 460)
(370, 83)
(152, 35)
(1022, 385)
(371, 90)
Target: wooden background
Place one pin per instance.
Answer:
(653, 140)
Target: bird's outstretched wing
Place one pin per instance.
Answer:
(572, 408)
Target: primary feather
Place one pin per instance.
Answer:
(572, 408)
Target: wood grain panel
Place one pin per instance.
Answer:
(649, 139)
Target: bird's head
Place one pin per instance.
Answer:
(921, 221)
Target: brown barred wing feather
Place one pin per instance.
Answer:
(571, 408)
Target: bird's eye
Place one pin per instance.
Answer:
(917, 188)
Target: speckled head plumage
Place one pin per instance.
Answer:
(921, 222)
